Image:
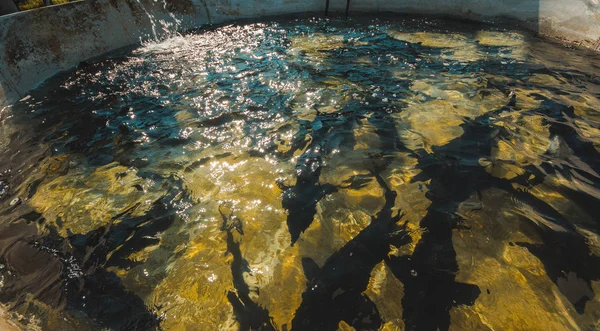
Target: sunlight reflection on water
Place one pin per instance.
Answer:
(253, 174)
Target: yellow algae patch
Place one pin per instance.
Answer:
(343, 326)
(250, 183)
(8, 324)
(316, 45)
(516, 293)
(465, 97)
(434, 121)
(430, 39)
(512, 44)
(587, 131)
(339, 83)
(386, 291)
(412, 140)
(535, 134)
(364, 60)
(323, 238)
(303, 107)
(143, 254)
(358, 190)
(585, 104)
(343, 214)
(435, 90)
(456, 47)
(573, 183)
(528, 138)
(562, 204)
(49, 169)
(468, 53)
(366, 137)
(499, 38)
(248, 186)
(262, 248)
(521, 258)
(508, 151)
(335, 224)
(331, 100)
(594, 305)
(347, 169)
(501, 169)
(325, 235)
(329, 95)
(342, 223)
(411, 200)
(82, 202)
(413, 203)
(317, 42)
(489, 227)
(526, 100)
(593, 241)
(390, 326)
(283, 294)
(521, 297)
(401, 171)
(544, 80)
(194, 292)
(183, 116)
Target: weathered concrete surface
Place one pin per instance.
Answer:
(526, 10)
(572, 21)
(35, 45)
(576, 21)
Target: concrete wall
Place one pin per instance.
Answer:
(576, 21)
(571, 20)
(35, 45)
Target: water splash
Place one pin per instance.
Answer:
(161, 29)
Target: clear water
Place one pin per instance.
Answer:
(309, 174)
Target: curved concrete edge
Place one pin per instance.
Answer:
(37, 44)
(572, 21)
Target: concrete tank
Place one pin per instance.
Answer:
(36, 44)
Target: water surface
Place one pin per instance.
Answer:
(391, 173)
